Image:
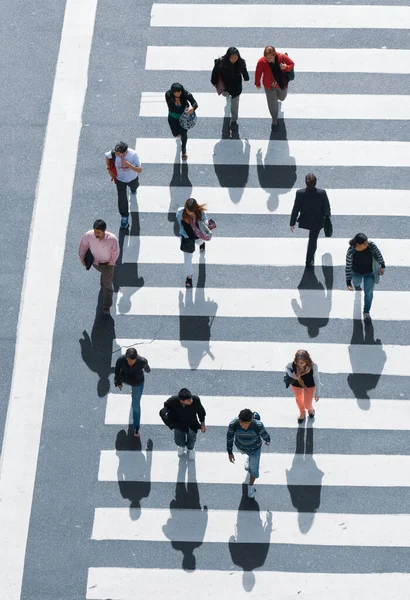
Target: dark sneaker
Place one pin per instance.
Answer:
(202, 247)
(188, 282)
(234, 124)
(124, 222)
(106, 311)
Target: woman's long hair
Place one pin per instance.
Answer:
(192, 205)
(359, 239)
(305, 356)
(277, 72)
(178, 87)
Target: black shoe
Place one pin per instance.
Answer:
(202, 247)
(188, 282)
(274, 127)
(234, 125)
(312, 415)
(310, 264)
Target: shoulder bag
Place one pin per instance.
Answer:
(328, 227)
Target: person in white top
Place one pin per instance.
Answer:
(123, 164)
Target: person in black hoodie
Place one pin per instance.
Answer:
(187, 415)
(230, 69)
(178, 100)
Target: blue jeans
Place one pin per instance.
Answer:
(136, 393)
(368, 287)
(183, 439)
(254, 460)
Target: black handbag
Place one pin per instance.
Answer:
(88, 259)
(187, 245)
(288, 380)
(328, 227)
(165, 415)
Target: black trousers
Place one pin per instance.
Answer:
(176, 129)
(312, 244)
(122, 194)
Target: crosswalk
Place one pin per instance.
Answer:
(332, 510)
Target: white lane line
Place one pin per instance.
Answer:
(370, 359)
(332, 413)
(275, 469)
(266, 153)
(307, 60)
(40, 292)
(254, 201)
(120, 584)
(272, 303)
(297, 106)
(273, 252)
(281, 15)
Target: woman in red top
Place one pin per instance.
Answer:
(272, 68)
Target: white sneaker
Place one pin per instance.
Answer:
(181, 451)
(246, 464)
(251, 491)
(191, 454)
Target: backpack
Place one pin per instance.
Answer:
(254, 425)
(165, 415)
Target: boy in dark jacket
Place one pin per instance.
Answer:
(187, 415)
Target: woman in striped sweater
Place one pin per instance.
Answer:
(364, 261)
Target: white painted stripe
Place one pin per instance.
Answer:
(270, 356)
(250, 527)
(275, 469)
(333, 413)
(272, 303)
(297, 106)
(157, 199)
(272, 252)
(281, 15)
(45, 256)
(280, 152)
(120, 584)
(307, 60)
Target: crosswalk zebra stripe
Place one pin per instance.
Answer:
(157, 199)
(278, 152)
(281, 15)
(334, 413)
(307, 60)
(376, 470)
(297, 106)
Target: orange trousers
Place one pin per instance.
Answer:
(304, 398)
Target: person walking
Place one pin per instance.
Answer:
(100, 248)
(129, 369)
(193, 229)
(179, 100)
(272, 69)
(228, 72)
(187, 416)
(303, 376)
(124, 166)
(310, 209)
(364, 262)
(247, 432)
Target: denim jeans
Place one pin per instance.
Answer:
(368, 287)
(136, 393)
(254, 460)
(183, 439)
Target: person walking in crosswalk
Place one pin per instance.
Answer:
(124, 166)
(364, 262)
(303, 376)
(247, 432)
(193, 229)
(228, 72)
(179, 100)
(130, 369)
(187, 415)
(310, 209)
(272, 69)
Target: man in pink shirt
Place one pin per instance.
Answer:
(105, 250)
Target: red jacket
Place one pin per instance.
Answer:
(264, 71)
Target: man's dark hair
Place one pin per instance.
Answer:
(184, 394)
(131, 353)
(310, 181)
(245, 415)
(100, 225)
(121, 147)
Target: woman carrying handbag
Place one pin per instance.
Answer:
(303, 377)
(181, 104)
(227, 79)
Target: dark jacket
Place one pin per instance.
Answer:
(186, 417)
(231, 74)
(186, 100)
(310, 208)
(130, 375)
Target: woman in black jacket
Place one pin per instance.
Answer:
(230, 69)
(178, 100)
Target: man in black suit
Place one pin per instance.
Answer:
(309, 210)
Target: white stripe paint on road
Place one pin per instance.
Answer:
(332, 413)
(297, 106)
(40, 292)
(281, 15)
(254, 201)
(267, 153)
(275, 469)
(307, 60)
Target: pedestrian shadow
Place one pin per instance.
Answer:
(304, 479)
(363, 334)
(315, 299)
(179, 179)
(96, 349)
(196, 316)
(188, 521)
(250, 555)
(274, 176)
(232, 176)
(126, 277)
(131, 490)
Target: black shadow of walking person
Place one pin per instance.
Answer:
(231, 162)
(126, 277)
(178, 197)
